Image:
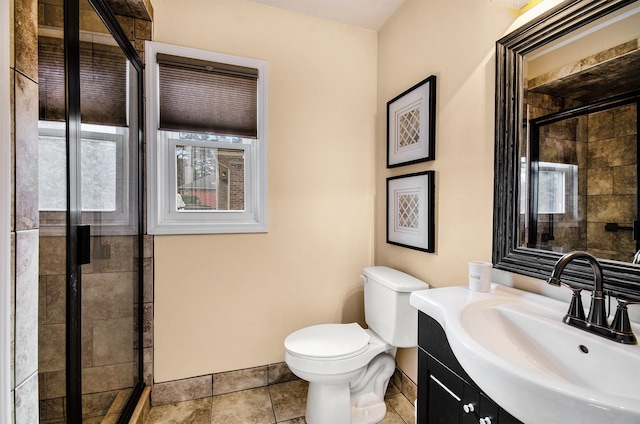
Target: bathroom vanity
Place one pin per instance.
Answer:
(483, 354)
(446, 394)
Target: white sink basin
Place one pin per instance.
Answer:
(514, 345)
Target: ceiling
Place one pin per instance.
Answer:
(369, 14)
(610, 78)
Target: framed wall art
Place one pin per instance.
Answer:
(410, 211)
(411, 119)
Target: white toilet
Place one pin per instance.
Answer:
(347, 367)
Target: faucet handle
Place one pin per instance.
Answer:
(621, 324)
(576, 310)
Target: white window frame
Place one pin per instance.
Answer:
(162, 217)
(123, 219)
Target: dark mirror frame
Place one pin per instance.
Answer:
(620, 278)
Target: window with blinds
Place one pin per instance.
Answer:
(208, 97)
(207, 150)
(103, 82)
(108, 152)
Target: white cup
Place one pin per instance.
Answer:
(480, 276)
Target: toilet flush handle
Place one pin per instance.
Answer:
(364, 278)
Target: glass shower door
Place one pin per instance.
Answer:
(89, 175)
(109, 203)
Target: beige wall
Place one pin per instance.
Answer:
(455, 41)
(226, 302)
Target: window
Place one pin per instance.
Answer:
(106, 171)
(206, 142)
(108, 138)
(557, 188)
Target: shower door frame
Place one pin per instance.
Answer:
(632, 97)
(77, 240)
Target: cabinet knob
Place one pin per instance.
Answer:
(485, 420)
(468, 408)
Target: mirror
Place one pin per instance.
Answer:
(566, 168)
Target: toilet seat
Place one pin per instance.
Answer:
(328, 341)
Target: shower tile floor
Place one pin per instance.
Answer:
(277, 403)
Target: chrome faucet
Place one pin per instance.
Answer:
(596, 322)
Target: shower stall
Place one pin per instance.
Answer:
(90, 208)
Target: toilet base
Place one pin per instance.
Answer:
(328, 403)
(368, 411)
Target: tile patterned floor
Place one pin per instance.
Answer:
(278, 403)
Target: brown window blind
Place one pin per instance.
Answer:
(211, 97)
(103, 82)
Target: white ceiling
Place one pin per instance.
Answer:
(369, 14)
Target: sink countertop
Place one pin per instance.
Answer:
(515, 346)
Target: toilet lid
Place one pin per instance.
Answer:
(327, 340)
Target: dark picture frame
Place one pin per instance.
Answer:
(410, 211)
(411, 125)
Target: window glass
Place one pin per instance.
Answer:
(100, 169)
(209, 178)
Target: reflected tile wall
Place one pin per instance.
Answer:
(612, 181)
(604, 146)
(108, 335)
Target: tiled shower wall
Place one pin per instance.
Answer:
(109, 361)
(612, 181)
(603, 145)
(24, 225)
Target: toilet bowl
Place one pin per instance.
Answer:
(334, 358)
(348, 367)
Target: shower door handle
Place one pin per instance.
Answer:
(84, 244)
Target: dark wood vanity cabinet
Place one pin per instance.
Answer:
(446, 394)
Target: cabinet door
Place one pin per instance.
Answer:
(445, 391)
(470, 404)
(446, 394)
(444, 405)
(489, 411)
(507, 418)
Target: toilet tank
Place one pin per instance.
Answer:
(386, 305)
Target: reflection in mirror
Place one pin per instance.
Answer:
(567, 91)
(579, 184)
(583, 190)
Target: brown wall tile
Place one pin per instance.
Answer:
(52, 15)
(181, 390)
(233, 381)
(625, 121)
(107, 378)
(52, 256)
(142, 30)
(26, 37)
(108, 295)
(619, 208)
(51, 347)
(625, 180)
(279, 373)
(601, 125)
